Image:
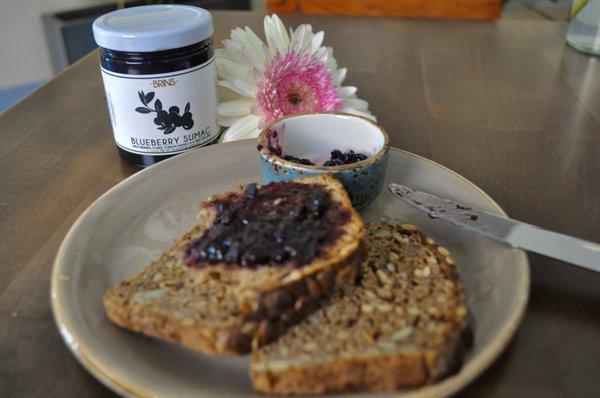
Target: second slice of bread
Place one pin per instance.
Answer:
(225, 309)
(402, 325)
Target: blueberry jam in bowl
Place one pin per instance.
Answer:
(352, 148)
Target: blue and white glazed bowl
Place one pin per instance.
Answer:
(313, 136)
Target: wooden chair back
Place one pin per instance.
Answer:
(468, 9)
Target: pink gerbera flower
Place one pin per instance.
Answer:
(291, 73)
(295, 83)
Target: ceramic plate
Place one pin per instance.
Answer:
(131, 224)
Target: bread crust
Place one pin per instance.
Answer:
(380, 373)
(241, 308)
(393, 371)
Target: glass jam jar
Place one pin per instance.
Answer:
(157, 64)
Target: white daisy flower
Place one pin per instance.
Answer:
(291, 73)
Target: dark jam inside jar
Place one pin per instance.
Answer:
(336, 157)
(150, 63)
(278, 223)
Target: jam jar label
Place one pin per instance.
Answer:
(164, 113)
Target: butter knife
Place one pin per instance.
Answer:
(514, 233)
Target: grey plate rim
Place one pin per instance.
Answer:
(449, 386)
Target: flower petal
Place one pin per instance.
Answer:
(283, 35)
(356, 103)
(346, 91)
(230, 70)
(331, 63)
(252, 134)
(339, 76)
(232, 53)
(235, 108)
(297, 38)
(228, 84)
(250, 46)
(241, 128)
(317, 40)
(321, 54)
(359, 113)
(270, 36)
(226, 121)
(240, 36)
(256, 60)
(245, 88)
(306, 39)
(227, 94)
(256, 110)
(258, 46)
(277, 36)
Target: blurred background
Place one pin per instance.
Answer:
(40, 38)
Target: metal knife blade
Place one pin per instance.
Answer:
(515, 233)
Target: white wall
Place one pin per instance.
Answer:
(24, 56)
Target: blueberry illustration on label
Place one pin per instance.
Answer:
(169, 120)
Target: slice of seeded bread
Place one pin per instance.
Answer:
(224, 308)
(404, 324)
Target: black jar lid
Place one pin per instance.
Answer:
(153, 28)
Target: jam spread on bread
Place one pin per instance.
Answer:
(269, 225)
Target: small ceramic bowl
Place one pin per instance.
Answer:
(313, 136)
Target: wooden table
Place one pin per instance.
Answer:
(504, 103)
